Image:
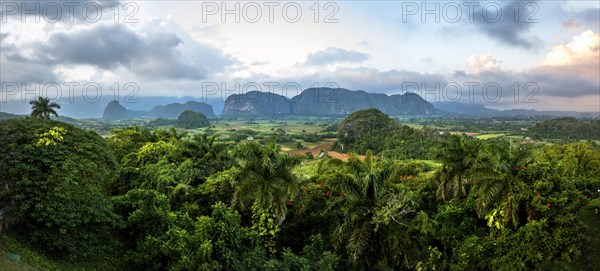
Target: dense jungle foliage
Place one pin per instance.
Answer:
(416, 200)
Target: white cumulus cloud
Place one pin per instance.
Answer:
(483, 63)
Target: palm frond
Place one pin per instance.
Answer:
(359, 239)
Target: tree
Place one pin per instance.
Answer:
(264, 181)
(501, 187)
(366, 190)
(215, 242)
(207, 155)
(42, 108)
(459, 157)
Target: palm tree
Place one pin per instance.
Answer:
(459, 158)
(500, 188)
(42, 108)
(365, 185)
(264, 181)
(207, 155)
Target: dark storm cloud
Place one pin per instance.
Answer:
(507, 28)
(332, 55)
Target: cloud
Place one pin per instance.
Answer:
(153, 52)
(483, 63)
(25, 72)
(362, 78)
(570, 70)
(16, 68)
(592, 15)
(259, 63)
(102, 46)
(389, 81)
(507, 29)
(579, 56)
(569, 74)
(332, 55)
(572, 26)
(557, 83)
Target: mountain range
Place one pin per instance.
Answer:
(324, 102)
(311, 102)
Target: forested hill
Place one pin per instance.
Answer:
(566, 128)
(324, 102)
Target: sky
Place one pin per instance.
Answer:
(542, 55)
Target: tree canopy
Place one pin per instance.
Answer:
(53, 181)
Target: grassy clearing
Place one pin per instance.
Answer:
(489, 136)
(290, 126)
(306, 169)
(514, 137)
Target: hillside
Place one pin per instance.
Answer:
(365, 130)
(257, 103)
(341, 102)
(566, 128)
(114, 110)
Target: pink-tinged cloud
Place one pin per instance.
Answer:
(572, 26)
(579, 56)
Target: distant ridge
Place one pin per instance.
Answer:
(5, 116)
(175, 109)
(114, 110)
(481, 110)
(324, 102)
